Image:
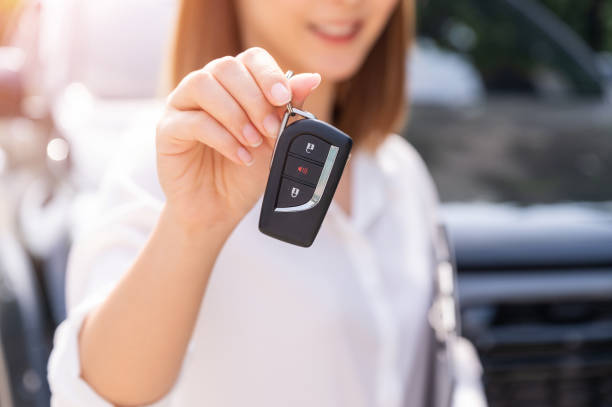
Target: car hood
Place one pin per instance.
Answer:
(489, 236)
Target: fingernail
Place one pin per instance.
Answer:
(280, 93)
(245, 156)
(251, 135)
(271, 124)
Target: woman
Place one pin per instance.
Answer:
(176, 298)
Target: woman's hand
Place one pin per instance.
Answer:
(216, 137)
(127, 354)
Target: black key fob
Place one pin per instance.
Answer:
(307, 163)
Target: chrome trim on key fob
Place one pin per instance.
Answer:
(318, 193)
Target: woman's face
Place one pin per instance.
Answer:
(331, 37)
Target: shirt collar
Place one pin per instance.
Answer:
(370, 189)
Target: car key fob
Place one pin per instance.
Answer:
(306, 166)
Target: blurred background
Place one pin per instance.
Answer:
(511, 107)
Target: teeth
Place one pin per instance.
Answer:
(336, 30)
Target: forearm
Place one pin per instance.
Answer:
(133, 344)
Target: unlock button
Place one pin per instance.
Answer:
(311, 147)
(293, 193)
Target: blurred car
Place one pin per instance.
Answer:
(517, 132)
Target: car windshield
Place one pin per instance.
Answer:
(513, 109)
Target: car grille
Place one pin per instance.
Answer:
(554, 353)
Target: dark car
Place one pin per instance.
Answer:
(520, 146)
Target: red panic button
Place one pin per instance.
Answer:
(302, 170)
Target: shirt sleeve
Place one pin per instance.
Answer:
(126, 209)
(96, 263)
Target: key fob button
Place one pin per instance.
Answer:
(311, 147)
(293, 193)
(303, 170)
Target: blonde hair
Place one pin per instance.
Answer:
(368, 106)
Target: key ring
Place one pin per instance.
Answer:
(289, 74)
(291, 111)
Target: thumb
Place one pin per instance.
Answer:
(302, 85)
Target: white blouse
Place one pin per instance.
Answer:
(342, 323)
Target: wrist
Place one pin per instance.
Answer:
(196, 232)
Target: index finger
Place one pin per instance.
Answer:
(268, 75)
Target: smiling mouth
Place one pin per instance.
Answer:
(336, 32)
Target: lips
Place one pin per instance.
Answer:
(337, 32)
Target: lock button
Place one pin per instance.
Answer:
(303, 170)
(311, 147)
(292, 193)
